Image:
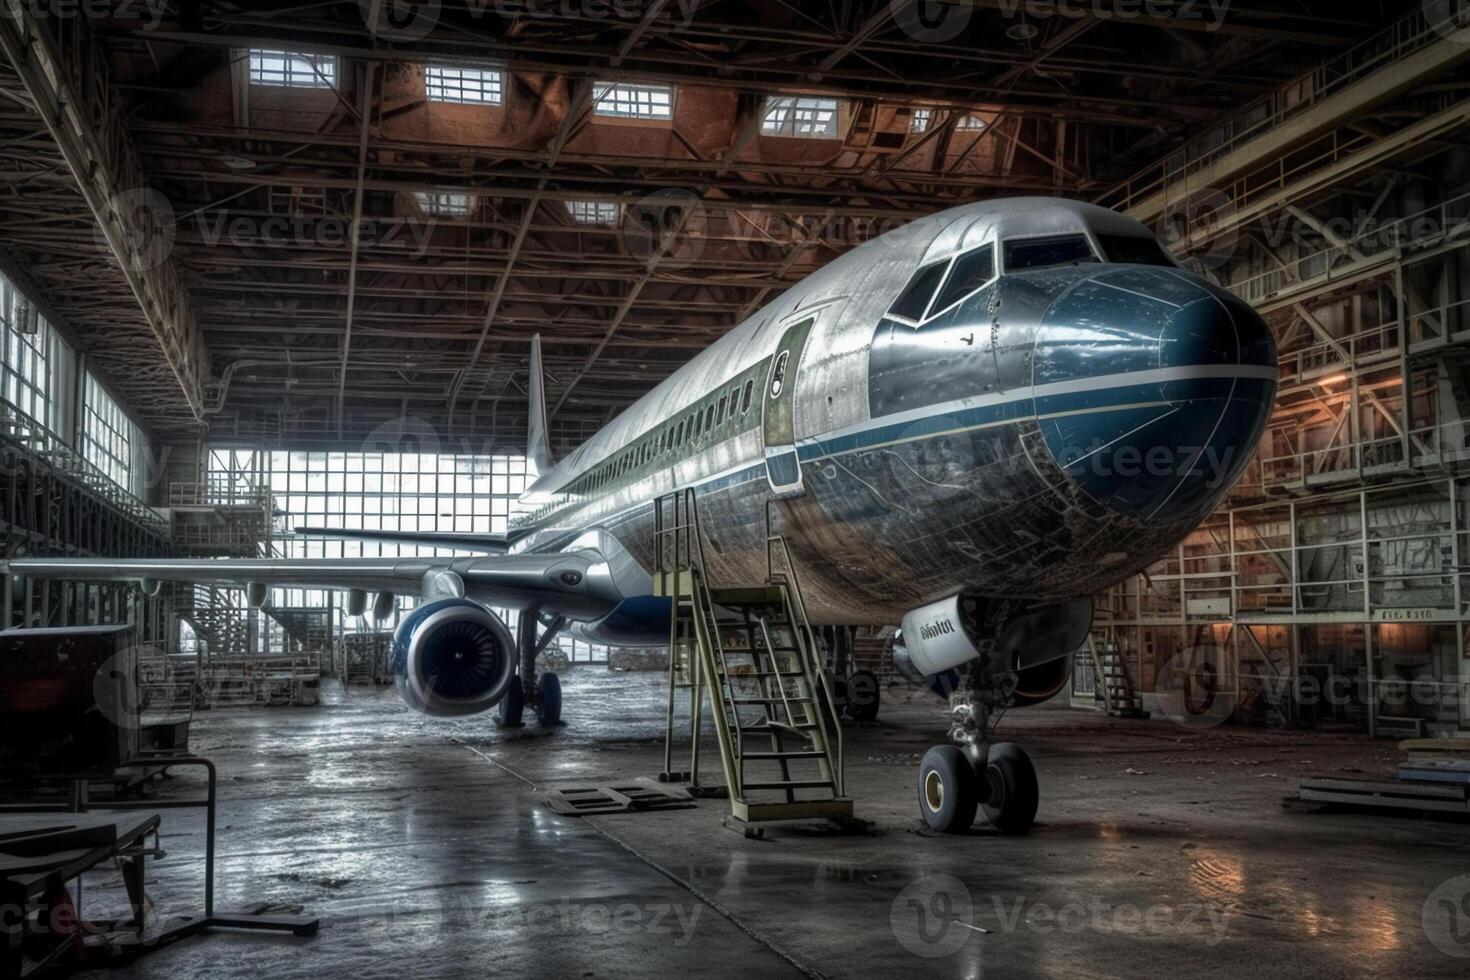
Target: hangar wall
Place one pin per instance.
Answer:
(1341, 554)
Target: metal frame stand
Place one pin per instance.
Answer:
(296, 925)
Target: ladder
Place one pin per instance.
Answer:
(751, 652)
(1112, 680)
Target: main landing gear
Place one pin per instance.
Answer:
(956, 780)
(541, 692)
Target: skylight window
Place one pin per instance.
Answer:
(444, 205)
(626, 100)
(593, 212)
(465, 86)
(292, 69)
(800, 115)
(919, 122)
(971, 124)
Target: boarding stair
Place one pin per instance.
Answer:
(1113, 681)
(749, 652)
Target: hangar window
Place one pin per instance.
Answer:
(970, 124)
(800, 115)
(466, 86)
(25, 381)
(593, 212)
(1134, 249)
(444, 205)
(107, 434)
(292, 69)
(626, 100)
(914, 300)
(970, 271)
(1039, 253)
(919, 121)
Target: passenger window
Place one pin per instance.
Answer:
(1040, 253)
(745, 398)
(720, 413)
(915, 298)
(971, 271)
(1134, 250)
(709, 418)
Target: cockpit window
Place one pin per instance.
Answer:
(1134, 250)
(1038, 253)
(971, 271)
(915, 299)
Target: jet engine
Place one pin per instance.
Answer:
(452, 657)
(1037, 643)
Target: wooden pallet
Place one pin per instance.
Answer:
(1392, 794)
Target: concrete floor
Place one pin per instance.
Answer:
(426, 851)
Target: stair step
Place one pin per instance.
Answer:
(766, 729)
(794, 754)
(798, 700)
(790, 784)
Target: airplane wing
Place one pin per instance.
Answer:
(491, 543)
(575, 584)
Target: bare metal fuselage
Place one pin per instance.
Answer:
(978, 450)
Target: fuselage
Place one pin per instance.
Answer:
(1024, 399)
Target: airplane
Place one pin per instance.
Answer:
(967, 426)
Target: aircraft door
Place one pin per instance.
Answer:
(778, 411)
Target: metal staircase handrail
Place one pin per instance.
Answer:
(805, 640)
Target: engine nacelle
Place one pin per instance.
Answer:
(453, 657)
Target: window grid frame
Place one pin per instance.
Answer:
(801, 117)
(634, 100)
(594, 212)
(279, 68)
(464, 85)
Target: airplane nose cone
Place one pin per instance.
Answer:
(1152, 388)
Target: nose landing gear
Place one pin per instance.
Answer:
(955, 780)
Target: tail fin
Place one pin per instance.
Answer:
(538, 438)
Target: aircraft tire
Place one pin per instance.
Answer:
(512, 706)
(548, 711)
(948, 790)
(1012, 789)
(863, 695)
